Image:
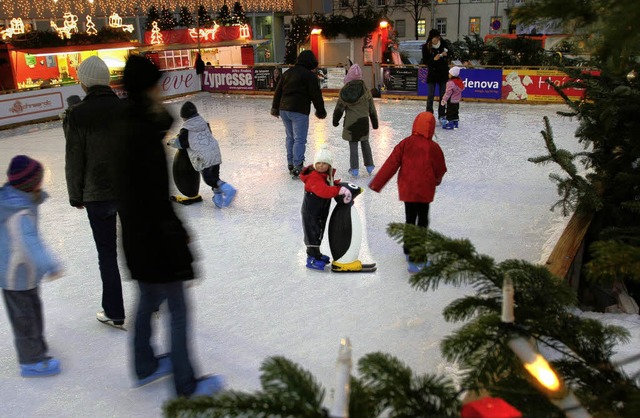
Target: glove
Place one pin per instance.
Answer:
(443, 103)
(275, 112)
(336, 123)
(321, 114)
(346, 195)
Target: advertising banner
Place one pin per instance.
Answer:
(178, 82)
(479, 83)
(36, 104)
(400, 79)
(266, 78)
(228, 79)
(520, 85)
(335, 77)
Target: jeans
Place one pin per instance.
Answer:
(24, 309)
(151, 297)
(353, 154)
(102, 218)
(442, 87)
(296, 126)
(416, 213)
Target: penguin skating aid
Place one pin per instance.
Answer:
(345, 236)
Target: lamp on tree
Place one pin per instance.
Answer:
(537, 366)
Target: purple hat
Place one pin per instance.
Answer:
(25, 173)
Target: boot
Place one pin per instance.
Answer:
(290, 167)
(315, 264)
(370, 169)
(296, 172)
(217, 197)
(448, 125)
(228, 193)
(443, 121)
(44, 368)
(354, 172)
(455, 124)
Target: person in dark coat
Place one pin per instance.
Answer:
(154, 240)
(94, 135)
(297, 89)
(356, 102)
(435, 56)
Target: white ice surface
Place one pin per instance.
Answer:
(256, 298)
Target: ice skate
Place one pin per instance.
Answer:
(217, 197)
(354, 172)
(44, 368)
(209, 385)
(165, 368)
(116, 323)
(315, 264)
(370, 169)
(228, 193)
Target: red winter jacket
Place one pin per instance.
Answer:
(316, 183)
(420, 160)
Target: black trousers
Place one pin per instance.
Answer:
(102, 218)
(211, 176)
(453, 110)
(416, 213)
(431, 91)
(24, 309)
(315, 211)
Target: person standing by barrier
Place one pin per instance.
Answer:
(297, 89)
(435, 56)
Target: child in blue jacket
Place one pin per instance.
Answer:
(24, 261)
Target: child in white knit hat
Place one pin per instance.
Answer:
(319, 188)
(452, 98)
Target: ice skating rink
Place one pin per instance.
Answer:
(255, 297)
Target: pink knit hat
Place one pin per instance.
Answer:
(354, 73)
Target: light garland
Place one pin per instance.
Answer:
(205, 34)
(115, 21)
(17, 26)
(47, 8)
(70, 25)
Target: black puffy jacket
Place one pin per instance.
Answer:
(298, 88)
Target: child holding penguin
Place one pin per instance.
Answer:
(319, 188)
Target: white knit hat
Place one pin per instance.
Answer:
(454, 71)
(94, 72)
(323, 155)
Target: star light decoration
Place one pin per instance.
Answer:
(45, 9)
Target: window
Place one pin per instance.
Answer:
(362, 2)
(169, 60)
(344, 4)
(422, 27)
(440, 1)
(474, 25)
(401, 28)
(441, 25)
(518, 2)
(475, 1)
(398, 3)
(381, 2)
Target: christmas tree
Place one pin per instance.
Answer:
(238, 17)
(167, 21)
(224, 15)
(299, 34)
(186, 19)
(152, 16)
(604, 180)
(204, 19)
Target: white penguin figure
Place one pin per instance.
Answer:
(345, 235)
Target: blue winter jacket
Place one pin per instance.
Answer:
(24, 259)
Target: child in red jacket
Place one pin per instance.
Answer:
(422, 166)
(319, 188)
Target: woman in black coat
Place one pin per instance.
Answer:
(435, 57)
(154, 240)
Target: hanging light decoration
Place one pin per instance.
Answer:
(37, 8)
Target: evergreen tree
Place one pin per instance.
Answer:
(238, 17)
(204, 19)
(224, 16)
(608, 129)
(299, 34)
(152, 16)
(186, 19)
(167, 21)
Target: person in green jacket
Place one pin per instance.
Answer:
(356, 102)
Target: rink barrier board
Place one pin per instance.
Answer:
(483, 85)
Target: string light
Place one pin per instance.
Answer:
(47, 8)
